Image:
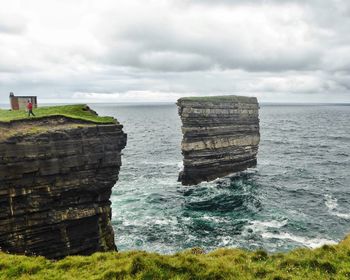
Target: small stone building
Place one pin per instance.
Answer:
(20, 102)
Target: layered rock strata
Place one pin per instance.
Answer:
(56, 177)
(220, 136)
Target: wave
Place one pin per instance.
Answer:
(339, 137)
(259, 227)
(269, 224)
(308, 242)
(159, 163)
(269, 230)
(180, 166)
(331, 202)
(332, 205)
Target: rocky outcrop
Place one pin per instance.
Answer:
(220, 136)
(56, 176)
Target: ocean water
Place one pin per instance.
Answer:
(297, 196)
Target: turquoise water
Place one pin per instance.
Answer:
(298, 195)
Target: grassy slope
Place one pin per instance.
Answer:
(71, 111)
(327, 262)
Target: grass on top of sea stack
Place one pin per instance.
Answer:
(223, 98)
(326, 262)
(78, 112)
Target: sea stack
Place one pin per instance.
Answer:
(56, 177)
(220, 136)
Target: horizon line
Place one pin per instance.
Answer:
(174, 103)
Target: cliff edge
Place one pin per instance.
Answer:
(56, 176)
(220, 136)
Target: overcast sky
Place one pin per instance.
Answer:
(160, 50)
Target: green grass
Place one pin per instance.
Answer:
(78, 112)
(327, 262)
(224, 98)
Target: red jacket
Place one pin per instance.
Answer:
(30, 106)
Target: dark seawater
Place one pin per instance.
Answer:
(299, 194)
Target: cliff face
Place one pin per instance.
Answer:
(56, 176)
(220, 136)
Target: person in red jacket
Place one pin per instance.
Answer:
(30, 108)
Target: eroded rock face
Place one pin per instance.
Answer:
(55, 187)
(220, 136)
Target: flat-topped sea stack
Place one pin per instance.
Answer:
(220, 136)
(57, 171)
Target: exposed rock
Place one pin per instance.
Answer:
(220, 136)
(55, 185)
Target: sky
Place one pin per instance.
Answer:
(160, 50)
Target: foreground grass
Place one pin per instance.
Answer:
(79, 112)
(327, 262)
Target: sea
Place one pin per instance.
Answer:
(297, 196)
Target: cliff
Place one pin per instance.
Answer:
(220, 136)
(56, 176)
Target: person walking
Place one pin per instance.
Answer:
(30, 108)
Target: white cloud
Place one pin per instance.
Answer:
(158, 50)
(12, 24)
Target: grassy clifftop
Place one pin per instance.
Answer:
(327, 262)
(78, 112)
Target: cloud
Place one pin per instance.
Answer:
(158, 50)
(174, 61)
(13, 24)
(267, 38)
